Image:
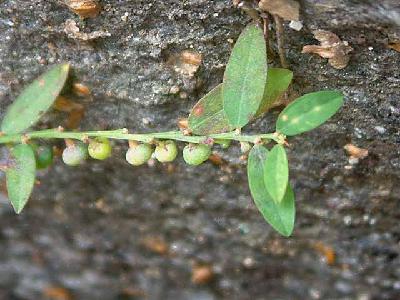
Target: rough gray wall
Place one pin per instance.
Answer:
(83, 229)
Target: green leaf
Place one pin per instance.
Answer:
(308, 112)
(278, 81)
(276, 173)
(35, 100)
(279, 215)
(245, 77)
(208, 116)
(20, 175)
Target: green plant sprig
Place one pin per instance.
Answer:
(249, 89)
(122, 134)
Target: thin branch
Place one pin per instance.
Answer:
(280, 40)
(122, 134)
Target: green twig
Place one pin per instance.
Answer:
(123, 134)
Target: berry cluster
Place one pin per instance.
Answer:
(138, 153)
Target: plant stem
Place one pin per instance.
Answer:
(280, 40)
(123, 134)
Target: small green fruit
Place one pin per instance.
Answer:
(166, 151)
(75, 154)
(99, 148)
(138, 154)
(44, 156)
(196, 154)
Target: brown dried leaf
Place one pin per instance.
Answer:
(84, 8)
(74, 118)
(330, 47)
(155, 244)
(75, 111)
(327, 251)
(321, 51)
(183, 124)
(81, 90)
(57, 293)
(326, 38)
(66, 105)
(355, 152)
(187, 62)
(286, 9)
(394, 46)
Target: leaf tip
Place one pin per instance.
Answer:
(287, 233)
(18, 209)
(65, 67)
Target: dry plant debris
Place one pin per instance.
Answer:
(155, 244)
(186, 62)
(202, 274)
(395, 46)
(286, 9)
(328, 252)
(81, 90)
(330, 47)
(75, 111)
(57, 293)
(84, 8)
(72, 30)
(66, 105)
(355, 153)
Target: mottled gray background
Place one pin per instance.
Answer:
(84, 229)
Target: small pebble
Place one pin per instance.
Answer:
(145, 121)
(248, 262)
(174, 89)
(202, 274)
(296, 25)
(380, 129)
(347, 220)
(125, 17)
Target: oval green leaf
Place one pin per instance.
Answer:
(245, 77)
(281, 215)
(208, 116)
(35, 100)
(20, 175)
(276, 173)
(308, 112)
(278, 81)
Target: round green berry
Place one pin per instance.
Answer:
(75, 154)
(138, 154)
(166, 151)
(99, 148)
(44, 156)
(196, 154)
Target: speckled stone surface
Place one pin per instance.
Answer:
(84, 227)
